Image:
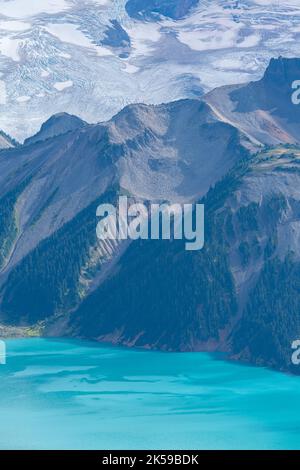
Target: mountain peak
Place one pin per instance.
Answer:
(282, 71)
(264, 110)
(58, 124)
(6, 141)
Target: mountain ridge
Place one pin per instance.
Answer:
(55, 274)
(263, 109)
(6, 141)
(56, 125)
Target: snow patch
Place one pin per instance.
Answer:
(23, 99)
(60, 86)
(67, 32)
(9, 48)
(14, 25)
(2, 92)
(130, 68)
(65, 56)
(210, 36)
(24, 8)
(143, 37)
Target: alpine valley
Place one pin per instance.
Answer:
(236, 149)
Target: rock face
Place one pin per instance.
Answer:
(58, 124)
(6, 141)
(263, 109)
(117, 38)
(168, 152)
(240, 294)
(146, 9)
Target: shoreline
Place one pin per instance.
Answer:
(15, 332)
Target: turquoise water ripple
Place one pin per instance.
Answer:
(65, 394)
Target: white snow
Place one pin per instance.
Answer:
(9, 48)
(14, 25)
(212, 30)
(219, 43)
(103, 2)
(65, 56)
(130, 68)
(2, 92)
(143, 37)
(70, 33)
(23, 99)
(60, 86)
(25, 8)
(250, 41)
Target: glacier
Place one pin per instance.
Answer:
(92, 58)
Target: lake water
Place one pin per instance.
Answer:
(65, 394)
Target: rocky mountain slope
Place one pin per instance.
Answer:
(58, 124)
(264, 109)
(6, 141)
(169, 152)
(239, 294)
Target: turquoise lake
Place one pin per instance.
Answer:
(61, 394)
